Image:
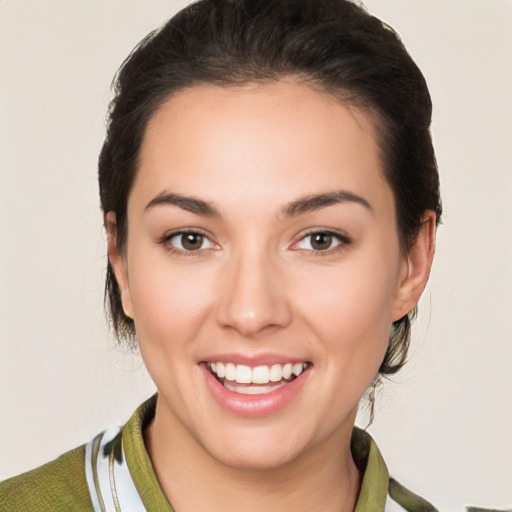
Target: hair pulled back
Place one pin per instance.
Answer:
(332, 45)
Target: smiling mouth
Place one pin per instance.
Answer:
(257, 380)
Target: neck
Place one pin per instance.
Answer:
(323, 478)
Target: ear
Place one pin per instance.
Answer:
(118, 263)
(417, 267)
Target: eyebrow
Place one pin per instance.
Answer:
(293, 209)
(190, 204)
(318, 201)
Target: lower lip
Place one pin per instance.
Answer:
(254, 406)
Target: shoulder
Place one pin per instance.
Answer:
(59, 485)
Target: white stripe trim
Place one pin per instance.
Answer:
(115, 482)
(89, 476)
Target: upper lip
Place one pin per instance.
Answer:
(253, 360)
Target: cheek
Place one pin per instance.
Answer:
(353, 298)
(169, 304)
(353, 314)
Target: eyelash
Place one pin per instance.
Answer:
(166, 242)
(343, 242)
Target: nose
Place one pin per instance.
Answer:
(253, 295)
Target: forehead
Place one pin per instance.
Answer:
(276, 139)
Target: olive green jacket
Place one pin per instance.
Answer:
(113, 473)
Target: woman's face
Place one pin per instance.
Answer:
(261, 241)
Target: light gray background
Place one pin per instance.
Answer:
(444, 424)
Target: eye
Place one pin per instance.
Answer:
(321, 241)
(188, 241)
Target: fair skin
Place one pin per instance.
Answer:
(264, 275)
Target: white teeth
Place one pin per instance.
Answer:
(276, 373)
(252, 390)
(219, 369)
(287, 370)
(262, 374)
(230, 371)
(298, 369)
(243, 374)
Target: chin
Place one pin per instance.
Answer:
(257, 459)
(258, 449)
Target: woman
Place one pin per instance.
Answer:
(270, 193)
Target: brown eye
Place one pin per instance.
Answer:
(192, 241)
(189, 241)
(321, 241)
